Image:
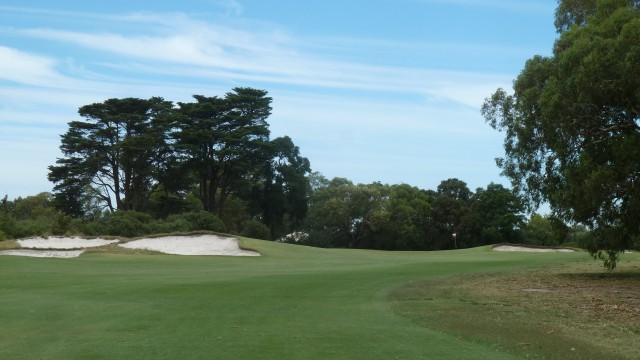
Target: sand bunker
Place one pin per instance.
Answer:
(43, 253)
(63, 243)
(55, 246)
(192, 245)
(176, 245)
(528, 249)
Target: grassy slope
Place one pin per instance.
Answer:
(292, 303)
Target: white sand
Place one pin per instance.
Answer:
(43, 253)
(177, 245)
(59, 242)
(192, 245)
(528, 249)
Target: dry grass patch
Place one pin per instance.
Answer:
(573, 311)
(9, 245)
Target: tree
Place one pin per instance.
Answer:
(112, 154)
(450, 206)
(572, 124)
(282, 192)
(406, 214)
(347, 215)
(222, 140)
(546, 230)
(500, 213)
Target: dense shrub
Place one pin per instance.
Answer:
(126, 223)
(191, 221)
(256, 230)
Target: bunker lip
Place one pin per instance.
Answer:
(60, 247)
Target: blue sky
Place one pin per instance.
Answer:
(375, 90)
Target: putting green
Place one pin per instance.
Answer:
(292, 302)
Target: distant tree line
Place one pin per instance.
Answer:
(402, 217)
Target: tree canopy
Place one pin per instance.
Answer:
(148, 156)
(572, 124)
(112, 154)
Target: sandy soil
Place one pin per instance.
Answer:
(528, 249)
(177, 245)
(192, 245)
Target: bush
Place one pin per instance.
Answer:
(29, 228)
(126, 223)
(255, 230)
(61, 224)
(192, 221)
(319, 238)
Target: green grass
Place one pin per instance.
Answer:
(293, 302)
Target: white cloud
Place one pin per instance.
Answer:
(21, 67)
(186, 47)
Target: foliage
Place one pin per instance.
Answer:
(150, 156)
(222, 140)
(126, 223)
(192, 221)
(499, 211)
(281, 197)
(256, 230)
(572, 125)
(113, 154)
(350, 214)
(401, 217)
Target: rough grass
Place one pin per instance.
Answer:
(570, 311)
(9, 245)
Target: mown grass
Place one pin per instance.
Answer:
(292, 302)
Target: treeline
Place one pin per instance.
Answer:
(341, 214)
(402, 217)
(134, 167)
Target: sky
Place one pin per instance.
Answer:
(370, 90)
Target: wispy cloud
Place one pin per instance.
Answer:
(25, 68)
(335, 107)
(232, 7)
(188, 47)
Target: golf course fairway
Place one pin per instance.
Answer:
(293, 302)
